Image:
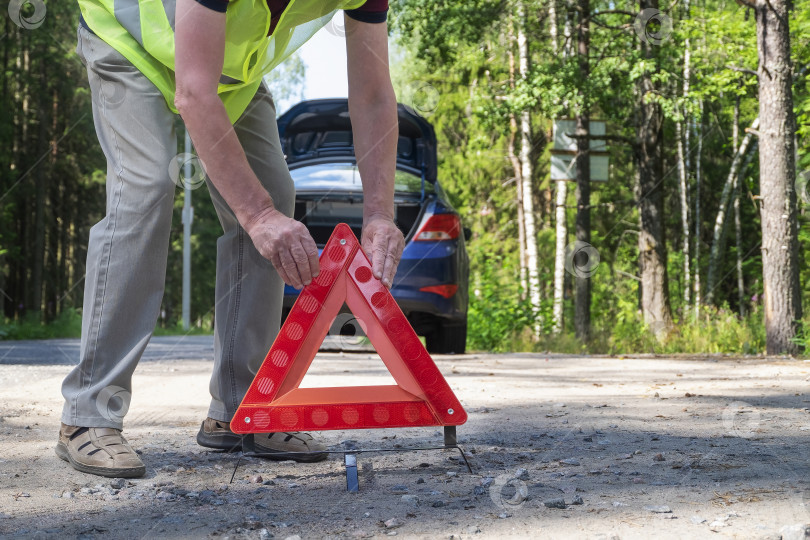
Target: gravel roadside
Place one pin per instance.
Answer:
(561, 447)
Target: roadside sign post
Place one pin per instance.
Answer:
(188, 216)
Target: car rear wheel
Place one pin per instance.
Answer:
(447, 339)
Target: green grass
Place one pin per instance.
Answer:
(716, 330)
(69, 325)
(177, 330)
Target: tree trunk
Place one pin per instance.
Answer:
(526, 171)
(559, 255)
(41, 174)
(568, 29)
(683, 170)
(722, 212)
(560, 220)
(738, 237)
(524, 271)
(780, 244)
(25, 291)
(552, 27)
(684, 200)
(735, 137)
(698, 126)
(521, 220)
(64, 280)
(650, 194)
(582, 305)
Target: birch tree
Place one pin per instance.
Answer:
(561, 226)
(682, 140)
(526, 170)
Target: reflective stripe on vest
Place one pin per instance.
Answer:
(143, 32)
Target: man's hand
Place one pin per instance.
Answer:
(383, 243)
(287, 244)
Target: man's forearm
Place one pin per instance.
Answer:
(223, 157)
(199, 54)
(199, 57)
(376, 132)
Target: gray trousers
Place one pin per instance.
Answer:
(128, 249)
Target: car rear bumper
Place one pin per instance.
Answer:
(425, 264)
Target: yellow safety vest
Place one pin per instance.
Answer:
(143, 32)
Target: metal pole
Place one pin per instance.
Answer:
(188, 216)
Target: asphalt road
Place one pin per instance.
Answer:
(59, 352)
(65, 352)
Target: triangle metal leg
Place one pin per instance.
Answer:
(352, 481)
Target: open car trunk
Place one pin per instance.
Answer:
(319, 133)
(320, 213)
(320, 129)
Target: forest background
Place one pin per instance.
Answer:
(695, 243)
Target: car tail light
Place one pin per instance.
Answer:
(442, 290)
(440, 227)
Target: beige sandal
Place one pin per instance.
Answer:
(101, 451)
(277, 446)
(296, 446)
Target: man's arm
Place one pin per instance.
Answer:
(373, 110)
(199, 57)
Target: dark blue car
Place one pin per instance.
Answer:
(431, 282)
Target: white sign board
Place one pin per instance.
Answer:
(565, 148)
(563, 167)
(562, 128)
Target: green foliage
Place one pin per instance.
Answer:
(800, 40)
(205, 230)
(462, 57)
(715, 330)
(498, 318)
(803, 335)
(68, 324)
(202, 326)
(466, 58)
(49, 156)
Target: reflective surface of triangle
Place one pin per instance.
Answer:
(274, 401)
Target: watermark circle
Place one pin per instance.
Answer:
(507, 492)
(652, 26)
(581, 259)
(422, 97)
(27, 14)
(192, 178)
(113, 403)
(741, 419)
(661, 329)
(111, 94)
(336, 26)
(348, 329)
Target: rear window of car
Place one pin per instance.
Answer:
(345, 176)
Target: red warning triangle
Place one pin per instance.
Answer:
(274, 402)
